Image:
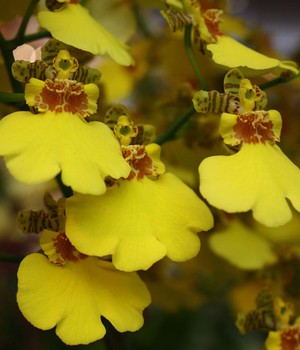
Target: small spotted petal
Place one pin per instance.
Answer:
(259, 178)
(73, 297)
(139, 222)
(36, 147)
(74, 26)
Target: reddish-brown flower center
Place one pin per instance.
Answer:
(63, 96)
(254, 127)
(140, 162)
(212, 19)
(290, 339)
(66, 250)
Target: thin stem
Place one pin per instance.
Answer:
(36, 36)
(170, 133)
(140, 21)
(7, 48)
(191, 56)
(11, 258)
(26, 18)
(279, 80)
(8, 97)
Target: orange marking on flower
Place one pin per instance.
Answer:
(212, 19)
(290, 338)
(63, 96)
(254, 127)
(141, 164)
(65, 250)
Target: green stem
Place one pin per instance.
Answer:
(170, 133)
(279, 80)
(140, 21)
(11, 258)
(191, 56)
(36, 36)
(7, 48)
(30, 9)
(8, 97)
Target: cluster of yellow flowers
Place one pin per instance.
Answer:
(125, 212)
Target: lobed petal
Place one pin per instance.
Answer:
(242, 247)
(37, 147)
(139, 222)
(76, 27)
(259, 178)
(74, 296)
(231, 53)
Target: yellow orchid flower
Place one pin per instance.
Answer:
(140, 219)
(259, 177)
(230, 53)
(73, 25)
(37, 147)
(71, 291)
(225, 50)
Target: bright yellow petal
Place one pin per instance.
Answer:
(227, 123)
(230, 53)
(37, 147)
(273, 341)
(74, 296)
(139, 222)
(259, 177)
(74, 26)
(242, 247)
(33, 89)
(92, 92)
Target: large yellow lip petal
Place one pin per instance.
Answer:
(139, 222)
(259, 178)
(73, 297)
(37, 147)
(74, 26)
(230, 53)
(242, 247)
